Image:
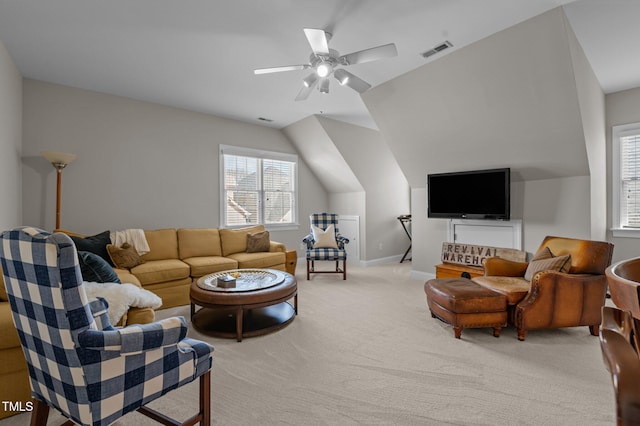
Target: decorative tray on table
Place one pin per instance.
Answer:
(245, 280)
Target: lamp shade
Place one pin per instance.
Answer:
(58, 158)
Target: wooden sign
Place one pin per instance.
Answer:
(473, 255)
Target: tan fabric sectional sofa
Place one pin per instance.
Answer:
(178, 256)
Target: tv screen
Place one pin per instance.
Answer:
(476, 194)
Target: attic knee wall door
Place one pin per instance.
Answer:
(349, 227)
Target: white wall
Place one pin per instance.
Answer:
(622, 108)
(387, 190)
(139, 164)
(10, 142)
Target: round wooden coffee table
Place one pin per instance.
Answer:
(257, 305)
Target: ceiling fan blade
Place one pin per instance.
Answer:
(280, 69)
(367, 55)
(345, 78)
(306, 89)
(317, 40)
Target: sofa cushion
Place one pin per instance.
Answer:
(124, 257)
(515, 288)
(163, 244)
(235, 240)
(194, 242)
(204, 265)
(95, 244)
(8, 333)
(96, 269)
(158, 271)
(259, 260)
(258, 242)
(127, 277)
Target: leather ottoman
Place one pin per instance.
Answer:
(463, 303)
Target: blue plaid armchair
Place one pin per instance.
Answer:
(78, 363)
(316, 251)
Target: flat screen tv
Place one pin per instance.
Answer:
(475, 194)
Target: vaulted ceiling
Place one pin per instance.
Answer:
(200, 54)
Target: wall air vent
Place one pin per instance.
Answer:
(437, 49)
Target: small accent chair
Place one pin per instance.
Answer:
(620, 357)
(322, 221)
(78, 363)
(552, 299)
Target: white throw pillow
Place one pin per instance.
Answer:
(324, 239)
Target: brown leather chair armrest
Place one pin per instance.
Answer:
(498, 266)
(558, 299)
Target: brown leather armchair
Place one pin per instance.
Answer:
(554, 299)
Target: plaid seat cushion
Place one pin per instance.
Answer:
(79, 364)
(326, 254)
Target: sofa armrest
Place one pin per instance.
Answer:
(275, 246)
(498, 266)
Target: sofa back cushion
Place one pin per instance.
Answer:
(163, 244)
(198, 242)
(235, 240)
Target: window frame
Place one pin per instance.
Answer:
(618, 132)
(260, 155)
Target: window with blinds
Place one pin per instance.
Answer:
(257, 187)
(630, 181)
(626, 180)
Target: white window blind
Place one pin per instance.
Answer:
(257, 187)
(630, 181)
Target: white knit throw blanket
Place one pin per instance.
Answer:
(135, 237)
(121, 297)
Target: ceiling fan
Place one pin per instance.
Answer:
(327, 61)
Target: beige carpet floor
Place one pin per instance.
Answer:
(366, 351)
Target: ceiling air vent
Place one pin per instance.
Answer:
(437, 49)
(268, 120)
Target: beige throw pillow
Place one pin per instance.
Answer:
(125, 257)
(560, 264)
(324, 238)
(258, 242)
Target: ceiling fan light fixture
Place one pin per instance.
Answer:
(342, 76)
(310, 80)
(324, 69)
(324, 86)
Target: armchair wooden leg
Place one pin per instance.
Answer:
(40, 413)
(308, 270)
(203, 416)
(344, 269)
(594, 330)
(522, 334)
(205, 398)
